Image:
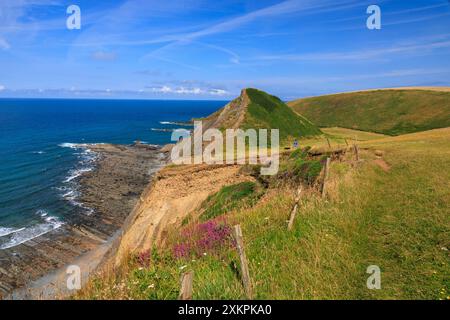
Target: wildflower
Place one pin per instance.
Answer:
(143, 258)
(182, 267)
(181, 250)
(203, 238)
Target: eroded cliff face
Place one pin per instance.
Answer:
(175, 192)
(230, 116)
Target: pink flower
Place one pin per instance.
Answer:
(205, 237)
(143, 258)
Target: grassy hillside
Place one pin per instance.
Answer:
(267, 111)
(389, 210)
(255, 109)
(391, 112)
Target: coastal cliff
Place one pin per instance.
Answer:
(175, 193)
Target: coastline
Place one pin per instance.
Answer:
(37, 269)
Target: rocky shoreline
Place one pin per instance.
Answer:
(33, 270)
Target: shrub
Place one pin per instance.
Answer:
(230, 198)
(307, 170)
(300, 153)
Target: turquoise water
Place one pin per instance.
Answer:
(39, 164)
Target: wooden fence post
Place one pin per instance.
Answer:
(355, 146)
(186, 286)
(294, 210)
(325, 177)
(244, 265)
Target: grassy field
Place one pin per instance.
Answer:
(339, 134)
(339, 138)
(391, 112)
(391, 211)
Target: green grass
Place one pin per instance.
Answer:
(398, 220)
(336, 133)
(266, 111)
(229, 198)
(299, 167)
(391, 112)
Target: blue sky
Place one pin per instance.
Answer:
(199, 49)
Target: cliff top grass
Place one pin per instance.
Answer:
(391, 112)
(229, 198)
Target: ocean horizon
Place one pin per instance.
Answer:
(41, 162)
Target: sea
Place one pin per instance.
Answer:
(41, 158)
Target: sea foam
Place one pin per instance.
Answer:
(22, 235)
(7, 231)
(86, 163)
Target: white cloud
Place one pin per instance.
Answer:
(218, 92)
(163, 89)
(183, 90)
(188, 90)
(178, 90)
(2, 87)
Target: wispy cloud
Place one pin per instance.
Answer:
(13, 16)
(284, 8)
(393, 13)
(156, 44)
(417, 19)
(420, 49)
(389, 21)
(323, 80)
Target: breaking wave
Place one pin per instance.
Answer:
(69, 190)
(10, 237)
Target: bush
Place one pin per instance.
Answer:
(307, 170)
(300, 153)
